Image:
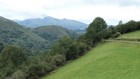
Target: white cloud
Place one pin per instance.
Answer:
(82, 10)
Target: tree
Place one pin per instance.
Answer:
(72, 52)
(110, 32)
(131, 26)
(120, 22)
(13, 54)
(127, 27)
(61, 46)
(98, 24)
(95, 31)
(11, 59)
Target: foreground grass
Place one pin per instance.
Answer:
(132, 35)
(107, 61)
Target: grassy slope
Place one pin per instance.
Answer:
(135, 34)
(107, 61)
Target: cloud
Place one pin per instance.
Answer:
(32, 8)
(82, 10)
(114, 2)
(129, 2)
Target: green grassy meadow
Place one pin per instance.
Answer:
(110, 60)
(132, 35)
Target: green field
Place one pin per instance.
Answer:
(110, 60)
(132, 35)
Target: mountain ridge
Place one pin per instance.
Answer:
(67, 23)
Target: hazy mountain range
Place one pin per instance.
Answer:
(69, 24)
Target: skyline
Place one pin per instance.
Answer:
(82, 10)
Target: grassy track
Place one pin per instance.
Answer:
(111, 60)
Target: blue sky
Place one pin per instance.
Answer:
(82, 10)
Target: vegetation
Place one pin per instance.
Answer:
(96, 31)
(52, 32)
(117, 34)
(13, 34)
(106, 61)
(11, 58)
(36, 66)
(18, 46)
(128, 27)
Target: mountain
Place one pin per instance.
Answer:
(12, 33)
(53, 32)
(69, 24)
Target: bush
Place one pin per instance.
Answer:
(59, 60)
(36, 71)
(82, 47)
(117, 34)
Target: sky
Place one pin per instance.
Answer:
(85, 11)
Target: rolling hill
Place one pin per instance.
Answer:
(12, 33)
(66, 23)
(109, 60)
(53, 32)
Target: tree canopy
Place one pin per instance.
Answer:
(95, 31)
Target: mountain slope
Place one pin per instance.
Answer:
(53, 32)
(69, 24)
(12, 33)
(111, 60)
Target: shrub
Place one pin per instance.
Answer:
(117, 34)
(35, 71)
(59, 60)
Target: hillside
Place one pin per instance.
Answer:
(107, 61)
(69, 24)
(131, 35)
(12, 33)
(53, 32)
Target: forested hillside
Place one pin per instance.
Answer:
(52, 33)
(12, 33)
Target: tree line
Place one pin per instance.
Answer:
(15, 64)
